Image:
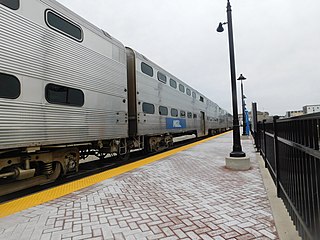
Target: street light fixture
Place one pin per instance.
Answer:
(237, 149)
(244, 125)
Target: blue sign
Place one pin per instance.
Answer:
(176, 123)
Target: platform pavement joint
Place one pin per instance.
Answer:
(189, 195)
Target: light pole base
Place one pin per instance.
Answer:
(238, 163)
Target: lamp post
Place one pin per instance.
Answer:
(244, 133)
(237, 149)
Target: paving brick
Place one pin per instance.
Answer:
(189, 195)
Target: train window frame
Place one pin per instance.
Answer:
(147, 110)
(173, 83)
(12, 4)
(161, 77)
(163, 111)
(61, 30)
(181, 88)
(66, 101)
(182, 114)
(11, 88)
(194, 95)
(145, 67)
(188, 91)
(174, 112)
(189, 114)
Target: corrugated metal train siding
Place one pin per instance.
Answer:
(31, 51)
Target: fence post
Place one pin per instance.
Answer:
(276, 154)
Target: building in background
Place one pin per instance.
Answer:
(260, 116)
(293, 113)
(311, 109)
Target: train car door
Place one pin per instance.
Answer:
(202, 123)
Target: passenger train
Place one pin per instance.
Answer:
(69, 90)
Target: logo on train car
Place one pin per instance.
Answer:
(176, 123)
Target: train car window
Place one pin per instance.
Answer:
(189, 114)
(201, 99)
(181, 88)
(163, 111)
(174, 112)
(194, 115)
(57, 94)
(148, 108)
(162, 77)
(182, 114)
(63, 25)
(9, 86)
(146, 69)
(194, 95)
(188, 91)
(173, 83)
(13, 4)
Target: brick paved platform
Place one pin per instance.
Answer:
(189, 195)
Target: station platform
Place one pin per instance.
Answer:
(186, 193)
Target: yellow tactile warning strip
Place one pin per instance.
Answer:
(20, 204)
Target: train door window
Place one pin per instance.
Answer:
(201, 99)
(188, 91)
(162, 77)
(194, 95)
(181, 88)
(173, 83)
(63, 25)
(13, 4)
(9, 86)
(163, 111)
(174, 112)
(189, 114)
(57, 94)
(146, 69)
(182, 114)
(194, 115)
(148, 108)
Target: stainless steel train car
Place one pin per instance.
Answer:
(69, 90)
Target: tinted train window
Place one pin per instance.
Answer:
(174, 112)
(162, 77)
(163, 110)
(181, 88)
(57, 94)
(63, 25)
(148, 108)
(194, 95)
(13, 4)
(146, 69)
(173, 83)
(182, 114)
(9, 86)
(194, 115)
(188, 91)
(189, 115)
(201, 99)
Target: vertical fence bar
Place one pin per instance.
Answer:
(264, 143)
(276, 154)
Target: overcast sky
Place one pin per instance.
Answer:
(277, 45)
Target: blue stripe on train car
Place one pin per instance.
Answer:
(176, 123)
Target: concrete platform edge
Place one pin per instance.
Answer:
(284, 225)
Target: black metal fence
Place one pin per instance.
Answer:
(290, 148)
